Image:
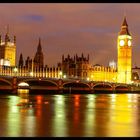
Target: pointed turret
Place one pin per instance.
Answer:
(124, 28)
(7, 39)
(88, 57)
(76, 57)
(20, 61)
(0, 39)
(82, 55)
(63, 58)
(14, 39)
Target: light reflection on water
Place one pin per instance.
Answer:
(68, 115)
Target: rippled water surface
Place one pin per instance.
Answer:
(82, 115)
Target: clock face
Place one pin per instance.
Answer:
(129, 43)
(121, 42)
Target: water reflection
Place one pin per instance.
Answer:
(102, 114)
(122, 112)
(24, 97)
(59, 119)
(70, 115)
(90, 116)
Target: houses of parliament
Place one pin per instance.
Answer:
(71, 67)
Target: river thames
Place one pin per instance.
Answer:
(70, 115)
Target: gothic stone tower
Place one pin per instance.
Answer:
(39, 58)
(8, 51)
(124, 54)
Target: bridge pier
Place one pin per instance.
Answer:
(14, 85)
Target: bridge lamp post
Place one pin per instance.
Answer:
(60, 74)
(31, 74)
(15, 71)
(92, 77)
(65, 76)
(114, 79)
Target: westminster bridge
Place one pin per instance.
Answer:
(13, 83)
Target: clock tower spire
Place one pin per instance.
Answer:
(124, 28)
(124, 47)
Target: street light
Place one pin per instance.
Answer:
(60, 74)
(31, 73)
(15, 71)
(92, 77)
(64, 76)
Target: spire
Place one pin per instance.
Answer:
(88, 57)
(68, 56)
(124, 28)
(63, 58)
(7, 39)
(76, 57)
(14, 39)
(8, 29)
(82, 55)
(125, 22)
(39, 58)
(0, 40)
(39, 49)
(20, 61)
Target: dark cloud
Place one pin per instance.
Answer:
(33, 18)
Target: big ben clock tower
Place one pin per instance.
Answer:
(124, 54)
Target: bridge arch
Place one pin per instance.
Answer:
(122, 87)
(5, 82)
(103, 84)
(76, 84)
(41, 82)
(76, 87)
(102, 87)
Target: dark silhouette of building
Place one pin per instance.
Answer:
(38, 61)
(21, 62)
(76, 66)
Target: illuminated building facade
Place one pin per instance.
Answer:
(121, 74)
(102, 73)
(124, 54)
(7, 51)
(77, 66)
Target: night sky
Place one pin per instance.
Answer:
(71, 28)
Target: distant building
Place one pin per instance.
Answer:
(112, 64)
(136, 74)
